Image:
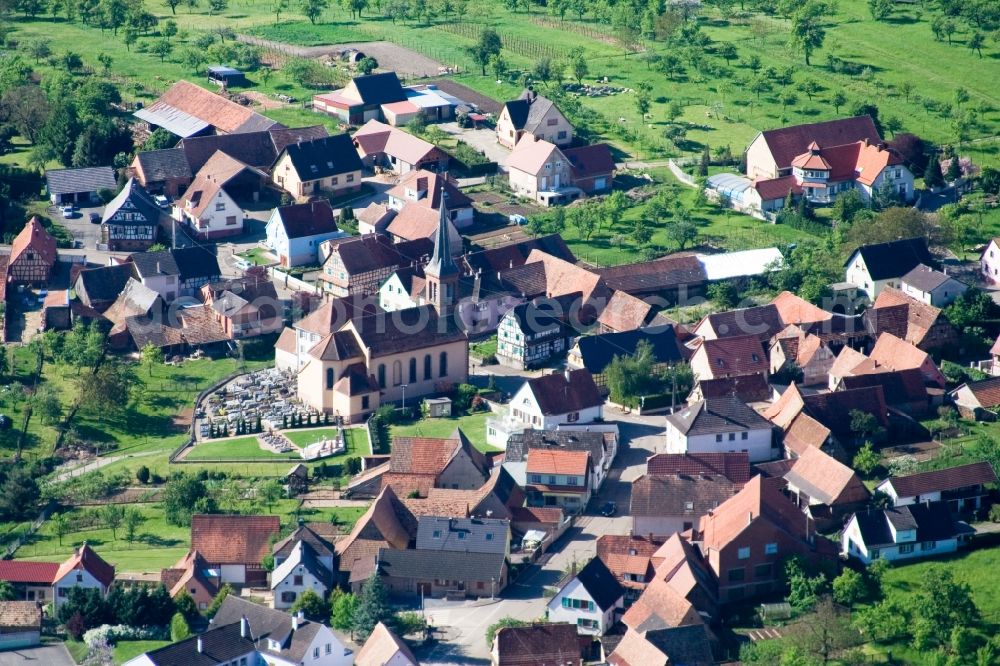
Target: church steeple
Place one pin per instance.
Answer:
(441, 273)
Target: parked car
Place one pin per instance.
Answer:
(609, 509)
(95, 218)
(67, 212)
(162, 201)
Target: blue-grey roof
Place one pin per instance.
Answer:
(72, 181)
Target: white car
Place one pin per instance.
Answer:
(161, 201)
(67, 212)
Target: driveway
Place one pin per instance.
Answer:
(463, 624)
(484, 140)
(45, 655)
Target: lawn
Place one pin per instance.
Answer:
(242, 448)
(126, 650)
(357, 440)
(472, 425)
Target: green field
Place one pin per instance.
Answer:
(472, 425)
(242, 448)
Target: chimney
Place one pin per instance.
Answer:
(158, 267)
(566, 375)
(749, 517)
(244, 628)
(200, 646)
(295, 622)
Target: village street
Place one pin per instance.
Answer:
(464, 624)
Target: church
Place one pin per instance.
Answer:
(380, 357)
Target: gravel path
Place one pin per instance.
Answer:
(391, 57)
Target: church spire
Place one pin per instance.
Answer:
(441, 263)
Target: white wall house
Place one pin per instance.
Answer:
(218, 216)
(932, 287)
(874, 267)
(301, 571)
(989, 262)
(591, 600)
(963, 486)
(294, 233)
(720, 425)
(903, 533)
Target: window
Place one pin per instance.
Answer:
(397, 372)
(736, 575)
(771, 549)
(328, 648)
(427, 367)
(578, 604)
(364, 402)
(552, 480)
(744, 435)
(718, 438)
(329, 379)
(461, 536)
(335, 181)
(905, 548)
(443, 364)
(316, 652)
(928, 545)
(350, 178)
(489, 536)
(62, 592)
(552, 122)
(79, 577)
(744, 553)
(561, 135)
(573, 416)
(231, 221)
(297, 580)
(413, 370)
(381, 375)
(571, 481)
(875, 553)
(287, 597)
(536, 478)
(732, 436)
(689, 506)
(763, 570)
(220, 206)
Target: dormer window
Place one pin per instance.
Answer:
(754, 358)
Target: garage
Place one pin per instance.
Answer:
(79, 186)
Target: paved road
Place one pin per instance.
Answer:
(484, 140)
(464, 624)
(44, 655)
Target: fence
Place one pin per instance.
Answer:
(511, 41)
(172, 458)
(12, 547)
(680, 174)
(291, 282)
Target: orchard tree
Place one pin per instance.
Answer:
(313, 9)
(489, 45)
(112, 516)
(578, 66)
(808, 33)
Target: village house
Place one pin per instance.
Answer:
(590, 599)
(720, 425)
(912, 320)
(384, 648)
(596, 352)
(977, 400)
(762, 321)
(440, 573)
(562, 398)
(904, 390)
(382, 97)
(893, 353)
(824, 488)
(187, 110)
(664, 504)
(209, 206)
(687, 644)
(33, 255)
(236, 545)
(418, 464)
(466, 535)
(534, 116)
(386, 524)
(360, 264)
(163, 171)
(794, 349)
(539, 171)
(98, 288)
(903, 533)
(558, 478)
(931, 286)
(602, 446)
(131, 220)
(20, 624)
(427, 190)
(748, 388)
(675, 277)
(79, 186)
(298, 572)
(530, 335)
(748, 537)
(259, 149)
(629, 559)
(961, 488)
(162, 271)
(291, 351)
(537, 643)
(729, 357)
(50, 582)
(308, 533)
(871, 268)
(325, 166)
(771, 153)
(989, 261)
(192, 575)
(294, 233)
(592, 168)
(499, 497)
(243, 307)
(625, 312)
(392, 149)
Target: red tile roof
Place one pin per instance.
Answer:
(796, 310)
(733, 466)
(592, 160)
(223, 539)
(937, 480)
(777, 188)
(742, 355)
(19, 571)
(546, 461)
(786, 143)
(86, 559)
(826, 479)
(34, 237)
(759, 499)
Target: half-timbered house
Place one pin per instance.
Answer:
(32, 255)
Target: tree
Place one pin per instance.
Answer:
(976, 42)
(838, 100)
(642, 232)
(58, 136)
(270, 492)
(880, 9)
(489, 45)
(866, 460)
(187, 607)
(373, 607)
(152, 356)
(578, 65)
(933, 177)
(941, 605)
(825, 632)
(312, 9)
(807, 32)
(498, 66)
(179, 629)
(367, 65)
(849, 587)
(681, 232)
(502, 623)
(584, 220)
(7, 591)
(891, 224)
(112, 516)
(312, 605)
(727, 51)
(173, 5)
(45, 402)
(217, 6)
(344, 609)
(803, 591)
(39, 49)
(132, 520)
(60, 525)
(180, 496)
(162, 48)
(217, 600)
(142, 474)
(809, 87)
(542, 70)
